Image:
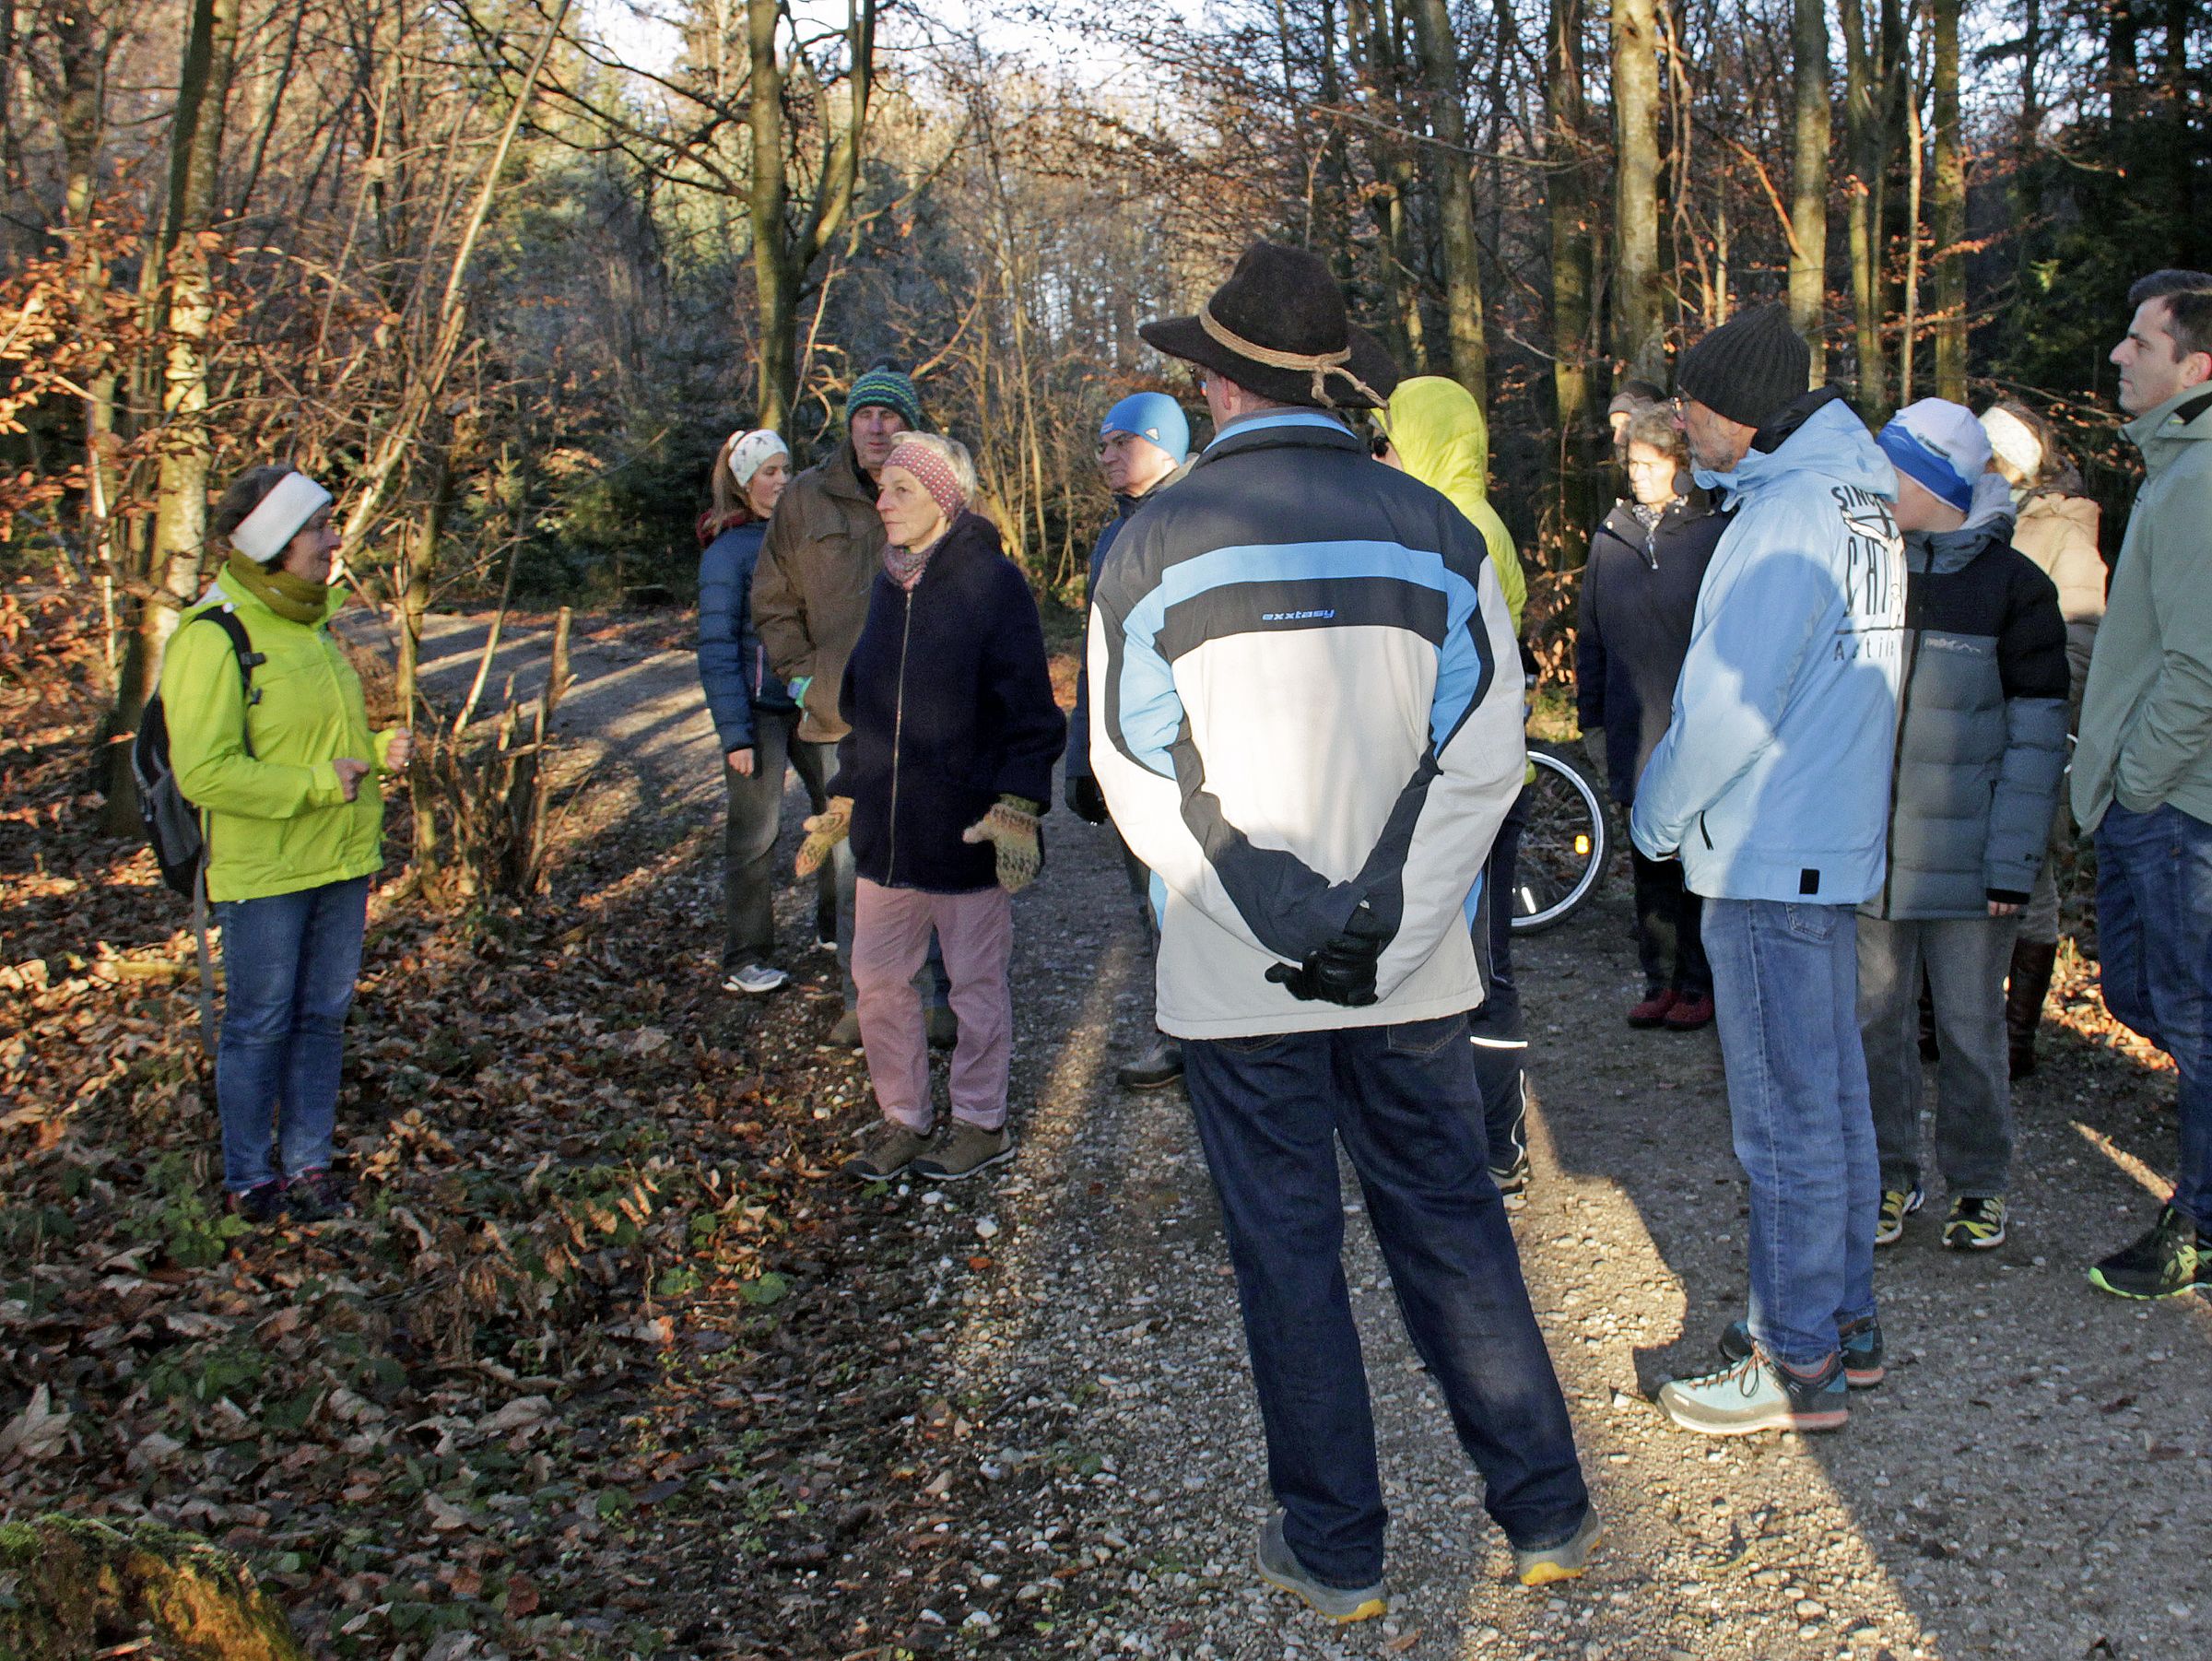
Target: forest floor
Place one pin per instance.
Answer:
(615, 1363)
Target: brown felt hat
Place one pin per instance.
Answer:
(1279, 327)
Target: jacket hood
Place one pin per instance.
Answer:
(1442, 438)
(1988, 522)
(1830, 441)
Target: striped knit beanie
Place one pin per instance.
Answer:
(884, 387)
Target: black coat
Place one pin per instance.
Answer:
(1640, 595)
(950, 706)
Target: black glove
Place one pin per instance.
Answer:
(1085, 799)
(1343, 972)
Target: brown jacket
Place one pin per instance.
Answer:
(810, 589)
(2059, 532)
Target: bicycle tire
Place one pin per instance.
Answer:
(1565, 847)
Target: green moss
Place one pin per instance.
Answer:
(81, 1585)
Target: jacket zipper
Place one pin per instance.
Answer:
(1897, 756)
(906, 631)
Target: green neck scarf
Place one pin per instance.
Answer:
(293, 598)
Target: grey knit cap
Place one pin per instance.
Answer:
(1749, 367)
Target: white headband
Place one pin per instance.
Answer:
(749, 449)
(2014, 440)
(277, 519)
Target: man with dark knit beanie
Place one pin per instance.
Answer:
(1773, 787)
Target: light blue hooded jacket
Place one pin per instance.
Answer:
(1772, 782)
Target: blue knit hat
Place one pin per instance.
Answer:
(1939, 446)
(1153, 415)
(884, 387)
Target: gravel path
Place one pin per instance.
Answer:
(2034, 1481)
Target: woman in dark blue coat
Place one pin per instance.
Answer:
(755, 714)
(1639, 593)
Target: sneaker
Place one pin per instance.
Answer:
(1279, 1567)
(1512, 1184)
(1755, 1395)
(261, 1205)
(1652, 1012)
(1159, 1067)
(1690, 1014)
(1976, 1223)
(755, 980)
(2165, 1262)
(1541, 1565)
(846, 1034)
(943, 1026)
(1897, 1205)
(966, 1149)
(1861, 1342)
(890, 1149)
(316, 1196)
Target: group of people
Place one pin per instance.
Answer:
(1828, 673)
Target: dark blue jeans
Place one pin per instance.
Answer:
(1501, 1039)
(2153, 946)
(289, 962)
(1270, 1111)
(1785, 977)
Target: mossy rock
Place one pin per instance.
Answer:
(69, 1586)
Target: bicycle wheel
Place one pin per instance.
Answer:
(1563, 851)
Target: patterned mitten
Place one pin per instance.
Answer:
(1011, 826)
(824, 831)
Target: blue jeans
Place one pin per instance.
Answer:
(1501, 1039)
(1785, 978)
(289, 962)
(1270, 1111)
(2154, 942)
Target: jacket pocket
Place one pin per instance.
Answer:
(1815, 922)
(1425, 1038)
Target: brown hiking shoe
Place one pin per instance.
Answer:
(890, 1149)
(965, 1150)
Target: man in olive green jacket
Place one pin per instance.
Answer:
(2143, 770)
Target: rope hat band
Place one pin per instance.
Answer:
(1320, 365)
(934, 474)
(279, 516)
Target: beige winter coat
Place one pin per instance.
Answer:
(2059, 532)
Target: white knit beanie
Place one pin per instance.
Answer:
(748, 450)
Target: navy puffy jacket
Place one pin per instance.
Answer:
(950, 705)
(733, 669)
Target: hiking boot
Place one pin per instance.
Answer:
(1541, 1565)
(755, 980)
(1897, 1205)
(1976, 1223)
(1755, 1394)
(1159, 1067)
(966, 1149)
(316, 1196)
(2165, 1262)
(890, 1149)
(844, 1034)
(261, 1205)
(1690, 1014)
(1512, 1184)
(1652, 1012)
(1861, 1342)
(1278, 1566)
(942, 1026)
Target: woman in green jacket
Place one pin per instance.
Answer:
(287, 776)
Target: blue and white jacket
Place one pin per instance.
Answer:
(1772, 782)
(1305, 703)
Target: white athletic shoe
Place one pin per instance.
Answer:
(755, 980)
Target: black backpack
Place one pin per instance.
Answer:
(172, 824)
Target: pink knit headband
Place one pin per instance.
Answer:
(934, 474)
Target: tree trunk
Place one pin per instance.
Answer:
(2123, 77)
(76, 1583)
(1868, 137)
(1454, 197)
(1639, 321)
(1947, 211)
(1573, 217)
(1809, 178)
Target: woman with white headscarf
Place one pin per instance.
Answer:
(755, 714)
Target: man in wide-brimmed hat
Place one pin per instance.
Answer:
(1306, 719)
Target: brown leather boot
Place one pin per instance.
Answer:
(2032, 961)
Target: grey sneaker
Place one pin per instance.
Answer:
(890, 1149)
(1541, 1565)
(846, 1034)
(1755, 1395)
(755, 980)
(1159, 1067)
(966, 1149)
(1278, 1566)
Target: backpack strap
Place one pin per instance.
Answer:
(242, 648)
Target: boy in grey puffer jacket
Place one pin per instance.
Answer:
(1981, 747)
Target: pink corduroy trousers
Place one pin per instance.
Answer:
(891, 936)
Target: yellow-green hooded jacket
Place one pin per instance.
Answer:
(278, 821)
(1442, 440)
